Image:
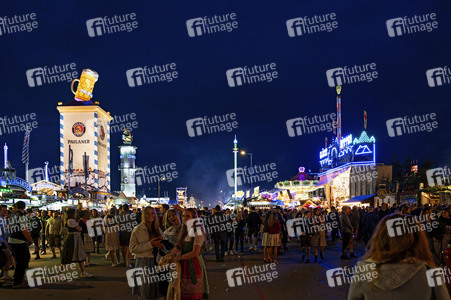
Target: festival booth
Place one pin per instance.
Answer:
(123, 199)
(12, 188)
(307, 203)
(360, 201)
(264, 203)
(45, 191)
(349, 168)
(298, 189)
(439, 194)
(233, 203)
(60, 205)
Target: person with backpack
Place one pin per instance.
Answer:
(19, 239)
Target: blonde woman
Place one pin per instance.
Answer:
(400, 262)
(175, 225)
(144, 240)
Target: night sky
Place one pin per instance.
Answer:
(201, 89)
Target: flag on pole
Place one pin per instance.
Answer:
(26, 147)
(365, 119)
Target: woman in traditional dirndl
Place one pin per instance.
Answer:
(194, 281)
(319, 237)
(272, 241)
(87, 240)
(112, 243)
(73, 250)
(144, 241)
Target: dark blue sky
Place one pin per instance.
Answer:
(262, 109)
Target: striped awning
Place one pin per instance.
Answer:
(329, 177)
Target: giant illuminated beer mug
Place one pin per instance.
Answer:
(85, 85)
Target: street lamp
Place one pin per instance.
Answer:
(251, 169)
(162, 179)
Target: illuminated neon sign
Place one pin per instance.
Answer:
(348, 151)
(346, 141)
(345, 151)
(326, 161)
(364, 138)
(363, 149)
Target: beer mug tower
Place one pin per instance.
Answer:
(85, 127)
(85, 85)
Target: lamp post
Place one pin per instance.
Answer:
(163, 179)
(251, 169)
(235, 152)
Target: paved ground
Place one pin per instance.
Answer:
(294, 280)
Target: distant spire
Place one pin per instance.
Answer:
(46, 171)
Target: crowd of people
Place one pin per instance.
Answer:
(136, 238)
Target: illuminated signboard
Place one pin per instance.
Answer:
(345, 151)
(363, 149)
(348, 151)
(346, 141)
(16, 182)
